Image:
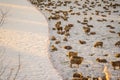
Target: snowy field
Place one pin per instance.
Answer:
(102, 19)
(25, 33)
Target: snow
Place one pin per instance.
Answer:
(59, 58)
(25, 33)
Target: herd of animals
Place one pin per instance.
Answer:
(60, 12)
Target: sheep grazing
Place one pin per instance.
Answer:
(82, 42)
(58, 24)
(101, 60)
(86, 30)
(103, 15)
(90, 18)
(92, 33)
(112, 31)
(76, 60)
(77, 76)
(78, 21)
(64, 18)
(67, 34)
(118, 33)
(67, 28)
(65, 39)
(53, 48)
(53, 38)
(115, 64)
(111, 27)
(67, 47)
(117, 55)
(90, 26)
(98, 44)
(71, 53)
(117, 44)
(57, 42)
(55, 17)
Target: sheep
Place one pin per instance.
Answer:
(98, 44)
(64, 18)
(101, 60)
(57, 42)
(82, 42)
(112, 31)
(115, 64)
(67, 47)
(117, 55)
(117, 44)
(65, 39)
(86, 29)
(71, 53)
(58, 24)
(75, 60)
(77, 76)
(55, 17)
(90, 26)
(118, 34)
(111, 27)
(92, 33)
(53, 38)
(67, 28)
(53, 48)
(67, 34)
(95, 78)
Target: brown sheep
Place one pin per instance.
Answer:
(98, 44)
(77, 75)
(71, 53)
(57, 42)
(67, 28)
(57, 25)
(92, 33)
(53, 38)
(95, 78)
(55, 17)
(64, 18)
(112, 31)
(115, 64)
(117, 55)
(53, 48)
(86, 29)
(82, 42)
(90, 26)
(117, 44)
(75, 60)
(65, 39)
(67, 47)
(118, 33)
(70, 25)
(101, 60)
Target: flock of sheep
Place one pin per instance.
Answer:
(59, 14)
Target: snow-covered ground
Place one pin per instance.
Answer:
(25, 33)
(105, 20)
